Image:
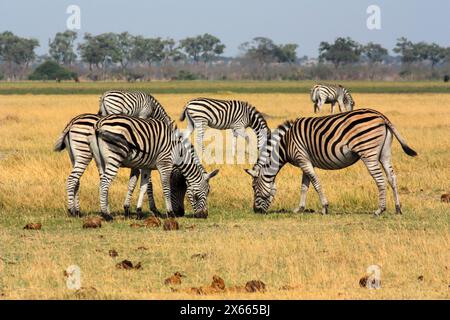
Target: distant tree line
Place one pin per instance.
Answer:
(125, 56)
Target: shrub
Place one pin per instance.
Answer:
(51, 70)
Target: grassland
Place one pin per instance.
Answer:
(217, 87)
(318, 256)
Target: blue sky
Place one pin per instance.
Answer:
(305, 22)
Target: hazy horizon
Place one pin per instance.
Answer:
(305, 23)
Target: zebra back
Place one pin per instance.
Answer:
(133, 103)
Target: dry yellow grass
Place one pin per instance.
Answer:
(320, 256)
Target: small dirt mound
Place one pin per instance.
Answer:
(199, 256)
(171, 224)
(93, 222)
(85, 293)
(152, 222)
(218, 283)
(113, 253)
(128, 265)
(33, 226)
(255, 286)
(136, 225)
(174, 279)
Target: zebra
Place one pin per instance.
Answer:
(137, 104)
(330, 142)
(225, 114)
(124, 141)
(133, 103)
(321, 94)
(74, 138)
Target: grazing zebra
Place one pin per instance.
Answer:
(133, 103)
(141, 105)
(225, 114)
(321, 94)
(332, 142)
(123, 141)
(74, 138)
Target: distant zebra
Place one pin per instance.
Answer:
(321, 94)
(74, 138)
(332, 142)
(133, 103)
(225, 114)
(123, 141)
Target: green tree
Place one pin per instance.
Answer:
(124, 43)
(51, 70)
(287, 53)
(16, 51)
(148, 50)
(260, 49)
(264, 50)
(432, 52)
(407, 50)
(100, 49)
(61, 48)
(342, 51)
(374, 52)
(202, 47)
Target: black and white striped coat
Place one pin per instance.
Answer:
(133, 103)
(322, 94)
(123, 141)
(330, 143)
(74, 138)
(225, 114)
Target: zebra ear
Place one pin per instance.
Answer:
(251, 172)
(212, 174)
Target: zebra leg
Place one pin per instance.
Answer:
(305, 186)
(190, 128)
(309, 171)
(73, 186)
(105, 183)
(341, 105)
(165, 171)
(151, 199)
(77, 198)
(332, 107)
(239, 132)
(373, 166)
(385, 159)
(134, 176)
(200, 128)
(145, 180)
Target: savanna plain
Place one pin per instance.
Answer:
(297, 256)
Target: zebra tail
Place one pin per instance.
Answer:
(410, 152)
(101, 108)
(60, 144)
(183, 114)
(93, 144)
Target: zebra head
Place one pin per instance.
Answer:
(198, 192)
(348, 101)
(264, 190)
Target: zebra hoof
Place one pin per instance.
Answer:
(126, 210)
(299, 210)
(398, 209)
(379, 211)
(107, 216)
(325, 209)
(179, 213)
(74, 212)
(200, 215)
(139, 214)
(155, 211)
